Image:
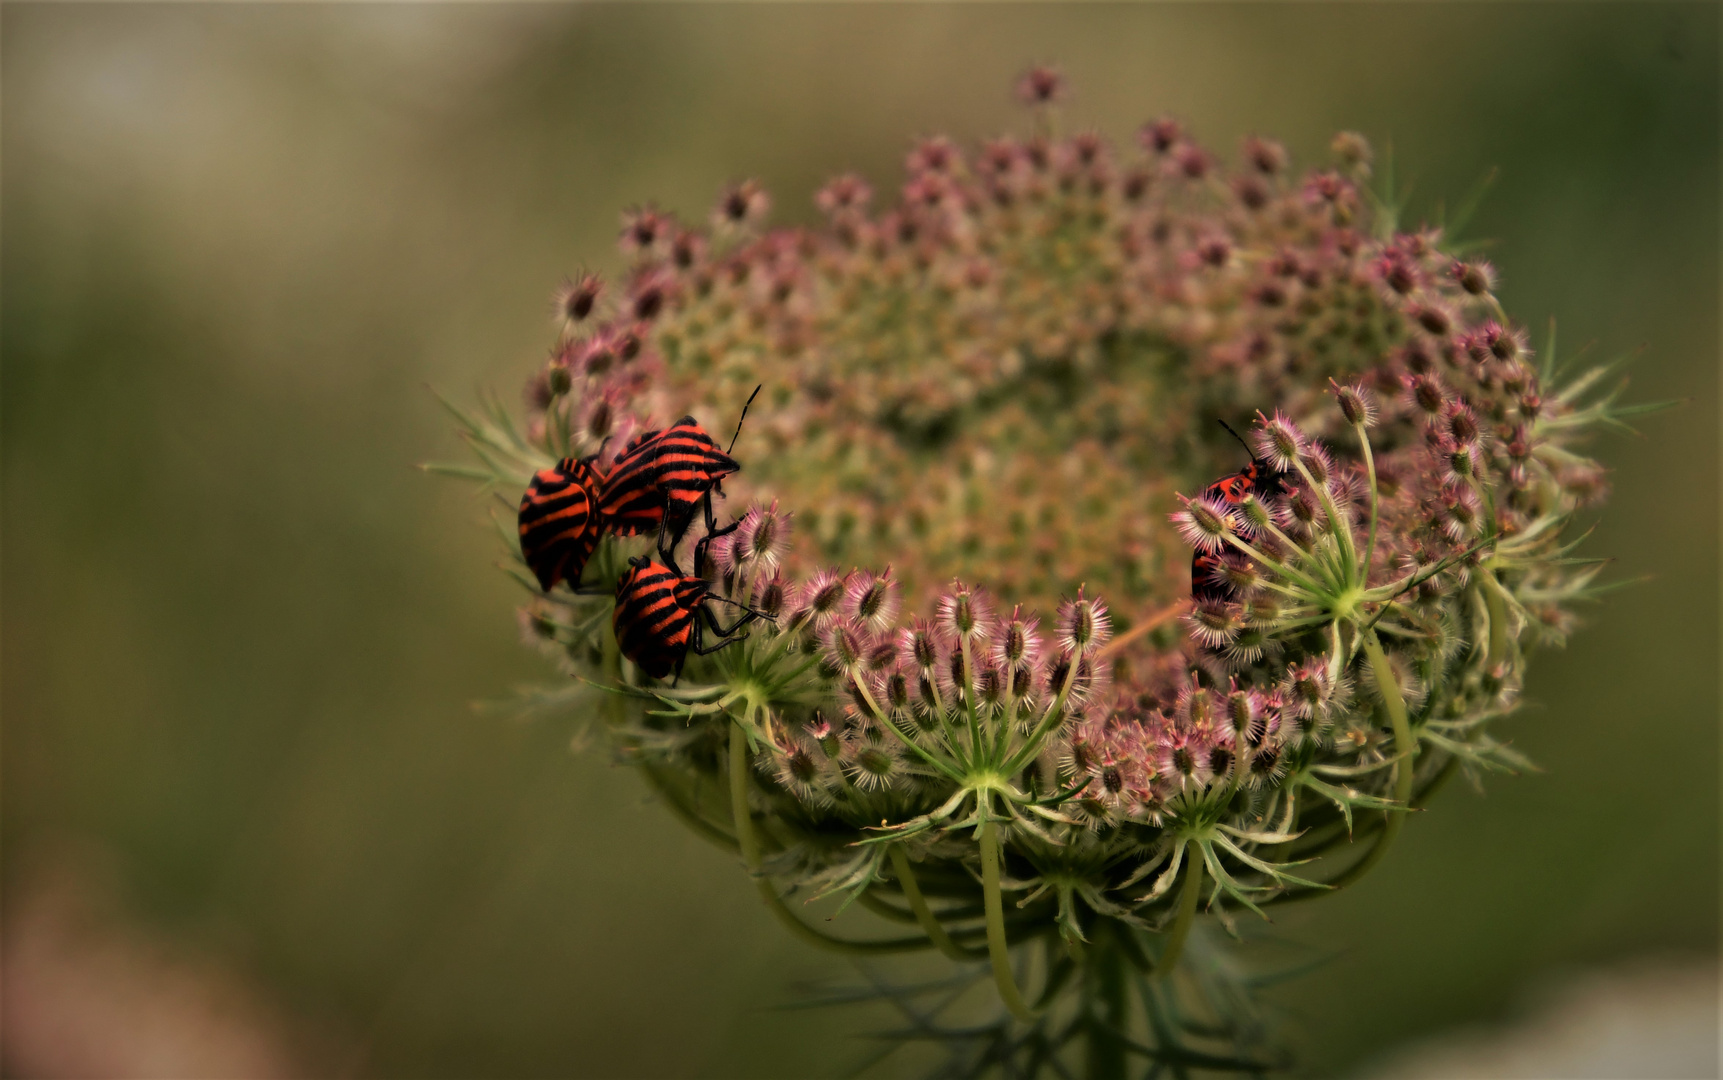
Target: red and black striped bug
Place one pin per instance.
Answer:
(661, 477)
(1259, 478)
(560, 522)
(661, 615)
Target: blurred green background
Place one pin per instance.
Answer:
(242, 632)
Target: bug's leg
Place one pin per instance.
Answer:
(697, 568)
(697, 638)
(708, 650)
(593, 457)
(666, 546)
(712, 528)
(748, 615)
(672, 530)
(594, 589)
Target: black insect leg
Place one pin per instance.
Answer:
(748, 615)
(696, 644)
(592, 458)
(708, 650)
(666, 541)
(586, 590)
(712, 528)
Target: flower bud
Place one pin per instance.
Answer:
(1015, 643)
(896, 691)
(1301, 508)
(871, 599)
(558, 381)
(845, 645)
(1280, 442)
(1215, 623)
(1428, 395)
(1504, 343)
(1220, 758)
(964, 612)
(1357, 404)
(823, 594)
(1022, 681)
(763, 536)
(1353, 152)
(741, 206)
(576, 299)
(1084, 625)
(917, 645)
(1317, 462)
(1266, 156)
(844, 194)
(1462, 423)
(1159, 136)
(1205, 523)
(1433, 318)
(1041, 86)
(872, 767)
(1476, 278)
(645, 232)
(1191, 160)
(801, 765)
(770, 596)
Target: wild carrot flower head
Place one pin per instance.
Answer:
(1018, 382)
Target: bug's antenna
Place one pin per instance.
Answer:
(1240, 439)
(744, 416)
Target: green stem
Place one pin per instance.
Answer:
(745, 838)
(1002, 737)
(1188, 892)
(1106, 986)
(918, 904)
(1498, 620)
(1055, 713)
(1404, 747)
(997, 948)
(1370, 470)
(1342, 526)
(977, 753)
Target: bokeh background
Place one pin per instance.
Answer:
(249, 813)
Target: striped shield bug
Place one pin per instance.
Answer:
(1259, 478)
(661, 615)
(559, 521)
(661, 477)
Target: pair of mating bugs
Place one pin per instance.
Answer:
(659, 481)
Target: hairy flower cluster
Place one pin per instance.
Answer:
(1021, 374)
